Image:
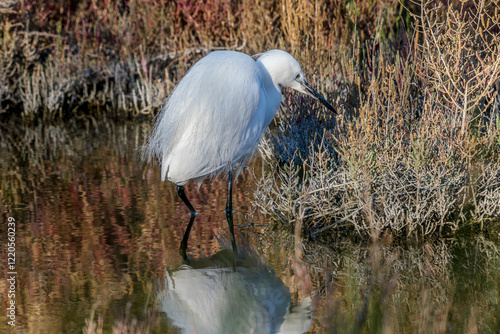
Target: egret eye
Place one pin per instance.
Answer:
(297, 77)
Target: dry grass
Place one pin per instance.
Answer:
(96, 228)
(415, 149)
(58, 57)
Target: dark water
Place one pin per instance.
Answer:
(96, 233)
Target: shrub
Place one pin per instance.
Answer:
(417, 151)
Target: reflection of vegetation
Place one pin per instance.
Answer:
(94, 226)
(438, 287)
(32, 155)
(143, 319)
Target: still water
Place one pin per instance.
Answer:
(97, 237)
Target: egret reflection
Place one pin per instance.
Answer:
(230, 293)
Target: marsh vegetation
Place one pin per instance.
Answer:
(393, 204)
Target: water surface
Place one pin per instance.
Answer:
(97, 232)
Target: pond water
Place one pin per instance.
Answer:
(96, 250)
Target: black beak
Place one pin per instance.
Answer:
(317, 96)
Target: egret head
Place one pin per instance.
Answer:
(285, 71)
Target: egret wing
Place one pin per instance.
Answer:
(212, 120)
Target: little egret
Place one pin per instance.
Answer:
(215, 117)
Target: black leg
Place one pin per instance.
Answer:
(229, 210)
(184, 242)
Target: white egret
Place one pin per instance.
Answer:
(215, 117)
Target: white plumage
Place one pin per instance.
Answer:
(216, 116)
